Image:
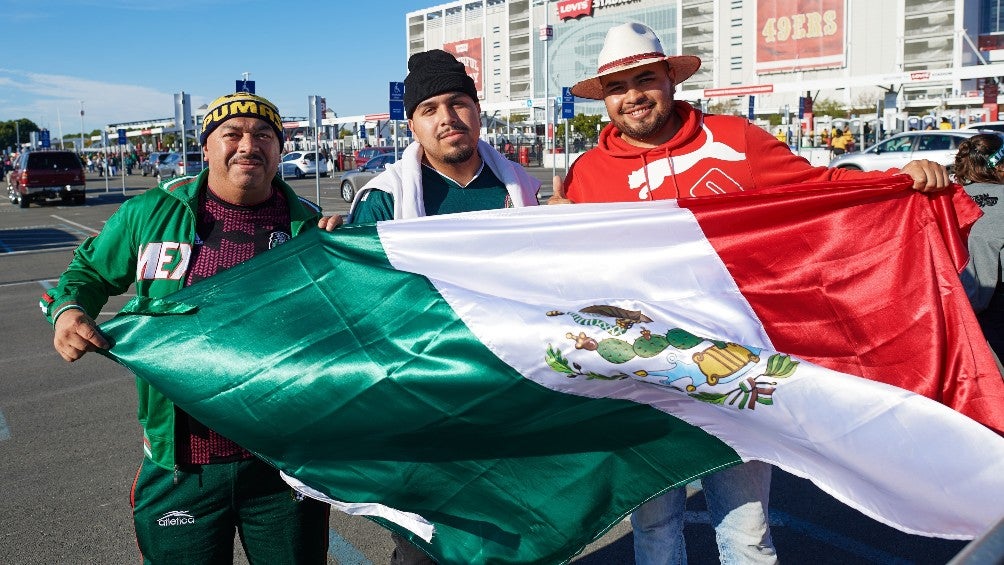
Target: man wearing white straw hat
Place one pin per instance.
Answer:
(658, 148)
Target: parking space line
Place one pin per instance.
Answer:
(344, 552)
(91, 230)
(43, 283)
(4, 429)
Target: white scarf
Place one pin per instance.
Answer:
(403, 181)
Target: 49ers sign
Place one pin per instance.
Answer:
(799, 34)
(468, 52)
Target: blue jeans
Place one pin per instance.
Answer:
(737, 503)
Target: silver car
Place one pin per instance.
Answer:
(174, 166)
(353, 180)
(939, 146)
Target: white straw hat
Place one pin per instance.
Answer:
(628, 46)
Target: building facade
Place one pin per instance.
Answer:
(904, 57)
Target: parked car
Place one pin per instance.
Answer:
(174, 166)
(42, 175)
(149, 165)
(367, 153)
(995, 126)
(934, 145)
(355, 179)
(300, 164)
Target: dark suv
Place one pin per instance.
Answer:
(41, 175)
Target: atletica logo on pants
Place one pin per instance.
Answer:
(176, 518)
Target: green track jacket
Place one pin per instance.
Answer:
(148, 242)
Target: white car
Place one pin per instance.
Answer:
(995, 126)
(300, 164)
(939, 146)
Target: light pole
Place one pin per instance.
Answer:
(81, 127)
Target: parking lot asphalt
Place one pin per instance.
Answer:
(70, 444)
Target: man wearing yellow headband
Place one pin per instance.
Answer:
(196, 488)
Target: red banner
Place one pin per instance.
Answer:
(468, 52)
(800, 34)
(739, 90)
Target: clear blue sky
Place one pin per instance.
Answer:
(125, 59)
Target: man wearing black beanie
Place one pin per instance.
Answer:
(446, 169)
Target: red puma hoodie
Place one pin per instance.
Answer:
(708, 155)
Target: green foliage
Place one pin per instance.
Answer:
(827, 107)
(726, 107)
(583, 126)
(10, 129)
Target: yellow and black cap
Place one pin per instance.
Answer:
(240, 104)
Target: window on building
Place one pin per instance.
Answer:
(992, 18)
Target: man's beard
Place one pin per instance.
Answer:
(644, 131)
(459, 155)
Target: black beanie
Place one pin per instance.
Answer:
(431, 73)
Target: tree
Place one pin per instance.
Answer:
(827, 107)
(518, 118)
(865, 103)
(725, 106)
(584, 126)
(10, 130)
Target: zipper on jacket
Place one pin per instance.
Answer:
(176, 474)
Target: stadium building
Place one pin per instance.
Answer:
(912, 60)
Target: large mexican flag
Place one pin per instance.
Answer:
(509, 384)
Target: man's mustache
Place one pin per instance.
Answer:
(452, 130)
(246, 159)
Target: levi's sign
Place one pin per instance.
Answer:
(571, 9)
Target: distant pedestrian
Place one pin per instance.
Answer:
(842, 142)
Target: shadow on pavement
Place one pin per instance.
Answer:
(36, 239)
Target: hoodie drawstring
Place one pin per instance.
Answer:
(672, 175)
